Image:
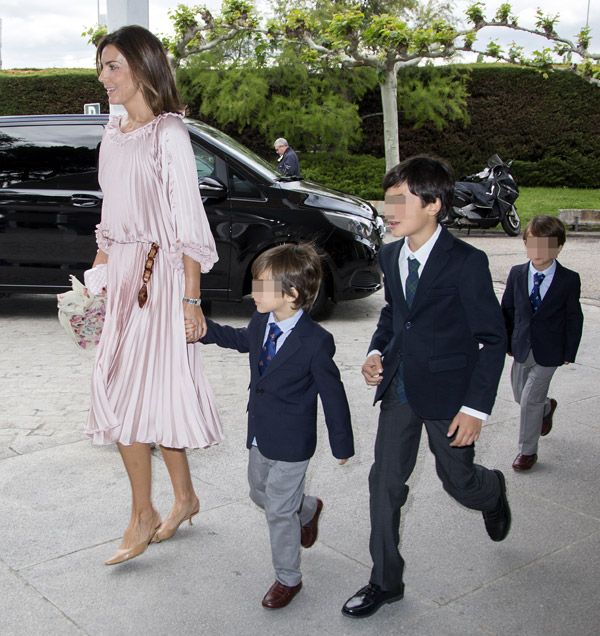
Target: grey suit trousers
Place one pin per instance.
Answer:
(530, 383)
(396, 448)
(278, 488)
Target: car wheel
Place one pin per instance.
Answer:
(322, 306)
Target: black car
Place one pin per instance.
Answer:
(50, 203)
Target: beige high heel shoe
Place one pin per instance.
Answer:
(126, 554)
(163, 535)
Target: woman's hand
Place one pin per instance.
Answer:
(195, 322)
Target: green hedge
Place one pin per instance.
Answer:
(41, 92)
(550, 127)
(360, 175)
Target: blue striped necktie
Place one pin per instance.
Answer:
(267, 353)
(535, 297)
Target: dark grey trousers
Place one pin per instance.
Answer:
(396, 447)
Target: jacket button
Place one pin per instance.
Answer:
(408, 325)
(260, 390)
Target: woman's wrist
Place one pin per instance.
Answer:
(192, 300)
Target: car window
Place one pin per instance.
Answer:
(50, 157)
(241, 187)
(205, 162)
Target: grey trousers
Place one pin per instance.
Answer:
(530, 383)
(396, 448)
(278, 488)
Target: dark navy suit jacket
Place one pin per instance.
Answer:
(282, 407)
(553, 333)
(454, 311)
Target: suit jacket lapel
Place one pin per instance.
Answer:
(438, 258)
(288, 348)
(523, 289)
(395, 284)
(554, 285)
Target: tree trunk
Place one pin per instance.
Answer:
(389, 103)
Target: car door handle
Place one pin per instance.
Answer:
(85, 200)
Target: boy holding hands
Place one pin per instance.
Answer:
(544, 322)
(291, 362)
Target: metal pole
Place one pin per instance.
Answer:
(587, 17)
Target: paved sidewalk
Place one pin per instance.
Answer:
(64, 505)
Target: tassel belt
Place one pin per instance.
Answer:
(147, 274)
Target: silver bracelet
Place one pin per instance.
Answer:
(192, 301)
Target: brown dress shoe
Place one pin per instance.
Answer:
(279, 595)
(524, 462)
(547, 421)
(309, 532)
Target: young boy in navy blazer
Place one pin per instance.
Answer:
(544, 322)
(291, 362)
(436, 358)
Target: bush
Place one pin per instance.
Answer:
(41, 92)
(360, 175)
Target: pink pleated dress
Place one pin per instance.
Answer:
(148, 384)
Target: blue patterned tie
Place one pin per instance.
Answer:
(267, 353)
(412, 280)
(535, 296)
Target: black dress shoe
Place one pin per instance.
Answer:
(497, 521)
(369, 599)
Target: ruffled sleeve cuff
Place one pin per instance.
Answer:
(103, 239)
(205, 255)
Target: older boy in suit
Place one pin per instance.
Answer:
(436, 358)
(544, 322)
(291, 362)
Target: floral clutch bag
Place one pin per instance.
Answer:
(81, 313)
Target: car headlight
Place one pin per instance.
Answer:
(351, 223)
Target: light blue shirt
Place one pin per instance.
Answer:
(286, 327)
(549, 275)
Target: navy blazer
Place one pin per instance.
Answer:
(282, 406)
(454, 311)
(553, 333)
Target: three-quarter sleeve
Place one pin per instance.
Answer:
(191, 228)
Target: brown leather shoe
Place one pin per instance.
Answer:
(524, 462)
(309, 532)
(547, 421)
(279, 595)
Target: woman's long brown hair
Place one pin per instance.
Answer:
(149, 66)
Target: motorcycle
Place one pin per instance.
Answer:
(485, 199)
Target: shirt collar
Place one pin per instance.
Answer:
(289, 323)
(422, 254)
(549, 271)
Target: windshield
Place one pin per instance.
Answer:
(236, 148)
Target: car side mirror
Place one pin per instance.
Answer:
(211, 188)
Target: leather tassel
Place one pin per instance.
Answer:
(142, 295)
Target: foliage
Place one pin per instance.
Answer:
(94, 34)
(360, 175)
(312, 110)
(36, 92)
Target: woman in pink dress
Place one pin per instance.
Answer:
(148, 385)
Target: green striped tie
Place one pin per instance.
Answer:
(413, 280)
